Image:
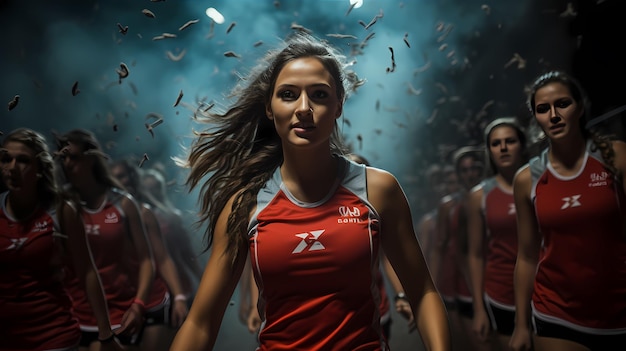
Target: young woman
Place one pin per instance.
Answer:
(174, 231)
(448, 259)
(492, 232)
(312, 222)
(116, 238)
(39, 232)
(570, 274)
(166, 307)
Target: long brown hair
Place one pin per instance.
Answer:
(240, 149)
(46, 186)
(601, 142)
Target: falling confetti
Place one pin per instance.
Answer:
(75, 89)
(13, 103)
(180, 96)
(123, 29)
(393, 62)
(189, 23)
(143, 159)
(230, 27)
(148, 13)
(176, 58)
(122, 72)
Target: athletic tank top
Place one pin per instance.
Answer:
(581, 276)
(498, 208)
(106, 230)
(35, 310)
(316, 266)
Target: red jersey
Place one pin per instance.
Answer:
(447, 278)
(581, 276)
(498, 208)
(172, 240)
(457, 226)
(106, 229)
(35, 310)
(159, 291)
(316, 266)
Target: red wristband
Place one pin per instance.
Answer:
(139, 302)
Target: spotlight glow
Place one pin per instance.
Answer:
(356, 3)
(215, 15)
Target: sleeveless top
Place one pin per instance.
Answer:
(316, 266)
(106, 228)
(498, 208)
(35, 310)
(581, 275)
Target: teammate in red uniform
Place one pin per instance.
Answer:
(448, 259)
(570, 274)
(492, 231)
(115, 234)
(38, 231)
(312, 222)
(167, 304)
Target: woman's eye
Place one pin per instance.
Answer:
(287, 95)
(542, 109)
(563, 103)
(319, 94)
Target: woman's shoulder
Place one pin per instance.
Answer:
(619, 148)
(380, 179)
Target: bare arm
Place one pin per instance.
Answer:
(440, 240)
(402, 248)
(254, 320)
(188, 255)
(220, 278)
(401, 304)
(529, 242)
(476, 260)
(619, 147)
(245, 300)
(78, 248)
(167, 269)
(133, 318)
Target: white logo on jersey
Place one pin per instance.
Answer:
(571, 201)
(93, 229)
(111, 217)
(596, 179)
(40, 227)
(309, 240)
(17, 244)
(349, 215)
(511, 209)
(345, 211)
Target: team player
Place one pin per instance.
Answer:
(39, 231)
(115, 234)
(570, 274)
(492, 232)
(279, 190)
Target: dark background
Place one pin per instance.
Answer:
(455, 77)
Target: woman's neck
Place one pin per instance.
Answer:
(93, 196)
(567, 154)
(21, 207)
(309, 177)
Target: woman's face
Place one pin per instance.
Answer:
(304, 104)
(19, 166)
(556, 111)
(470, 171)
(505, 148)
(76, 165)
(119, 172)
